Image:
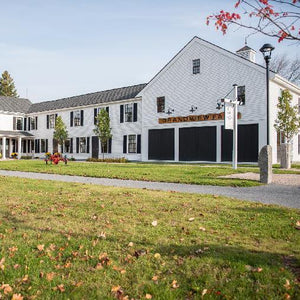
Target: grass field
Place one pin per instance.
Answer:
(74, 241)
(192, 174)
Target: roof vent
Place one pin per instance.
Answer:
(247, 52)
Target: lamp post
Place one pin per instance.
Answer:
(266, 50)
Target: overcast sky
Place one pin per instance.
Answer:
(60, 48)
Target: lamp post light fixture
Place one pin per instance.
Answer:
(266, 50)
(193, 108)
(170, 111)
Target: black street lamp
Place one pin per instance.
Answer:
(266, 50)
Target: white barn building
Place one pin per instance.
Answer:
(171, 118)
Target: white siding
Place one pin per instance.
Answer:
(219, 70)
(6, 121)
(275, 91)
(118, 129)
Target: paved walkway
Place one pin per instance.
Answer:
(269, 194)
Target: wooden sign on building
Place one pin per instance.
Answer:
(198, 118)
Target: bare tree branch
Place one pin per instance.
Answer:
(287, 68)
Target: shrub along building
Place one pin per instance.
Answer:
(171, 118)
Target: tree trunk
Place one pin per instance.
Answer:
(102, 149)
(285, 159)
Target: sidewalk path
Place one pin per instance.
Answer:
(269, 194)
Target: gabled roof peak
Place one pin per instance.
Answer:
(245, 48)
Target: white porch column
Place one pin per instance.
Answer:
(19, 147)
(3, 147)
(9, 147)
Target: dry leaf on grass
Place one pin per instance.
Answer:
(287, 284)
(50, 276)
(17, 297)
(60, 288)
(2, 267)
(7, 289)
(40, 247)
(174, 284)
(154, 223)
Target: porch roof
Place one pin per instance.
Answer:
(16, 134)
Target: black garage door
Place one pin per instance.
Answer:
(247, 143)
(197, 144)
(161, 144)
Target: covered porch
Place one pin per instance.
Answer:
(19, 142)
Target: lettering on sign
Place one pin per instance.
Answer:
(229, 116)
(199, 118)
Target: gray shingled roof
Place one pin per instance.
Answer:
(12, 104)
(118, 94)
(16, 133)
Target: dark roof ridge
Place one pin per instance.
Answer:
(80, 95)
(94, 98)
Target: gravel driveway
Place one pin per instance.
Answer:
(284, 179)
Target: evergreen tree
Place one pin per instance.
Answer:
(7, 85)
(102, 128)
(60, 132)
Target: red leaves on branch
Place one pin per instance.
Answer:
(283, 35)
(222, 19)
(274, 18)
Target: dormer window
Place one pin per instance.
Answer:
(196, 66)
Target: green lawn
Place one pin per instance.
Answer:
(193, 174)
(75, 241)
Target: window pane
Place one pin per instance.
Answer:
(160, 104)
(196, 66)
(52, 121)
(43, 146)
(241, 94)
(77, 118)
(128, 112)
(67, 146)
(19, 123)
(32, 123)
(82, 145)
(132, 144)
